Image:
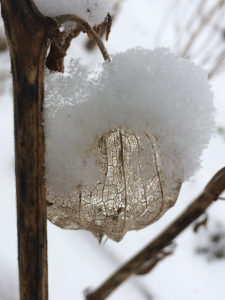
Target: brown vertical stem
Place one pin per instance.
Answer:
(214, 188)
(27, 33)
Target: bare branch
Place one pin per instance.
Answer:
(136, 264)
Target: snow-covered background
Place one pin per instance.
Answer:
(76, 260)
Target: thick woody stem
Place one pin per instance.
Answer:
(27, 34)
(211, 193)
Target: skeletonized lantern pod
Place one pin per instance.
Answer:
(119, 146)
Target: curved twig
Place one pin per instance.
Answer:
(87, 28)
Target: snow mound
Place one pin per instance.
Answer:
(93, 11)
(122, 142)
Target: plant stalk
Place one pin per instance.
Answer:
(27, 34)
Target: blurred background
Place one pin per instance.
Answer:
(194, 29)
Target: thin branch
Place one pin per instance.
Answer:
(211, 193)
(87, 28)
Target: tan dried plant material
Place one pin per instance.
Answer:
(132, 193)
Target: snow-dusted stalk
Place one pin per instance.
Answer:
(136, 264)
(27, 33)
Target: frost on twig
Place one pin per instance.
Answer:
(120, 143)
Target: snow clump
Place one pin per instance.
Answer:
(93, 11)
(119, 144)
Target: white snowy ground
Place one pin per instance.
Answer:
(76, 260)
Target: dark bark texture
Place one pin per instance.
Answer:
(27, 33)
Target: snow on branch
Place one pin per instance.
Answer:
(120, 143)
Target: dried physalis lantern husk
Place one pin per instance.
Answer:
(132, 193)
(120, 140)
